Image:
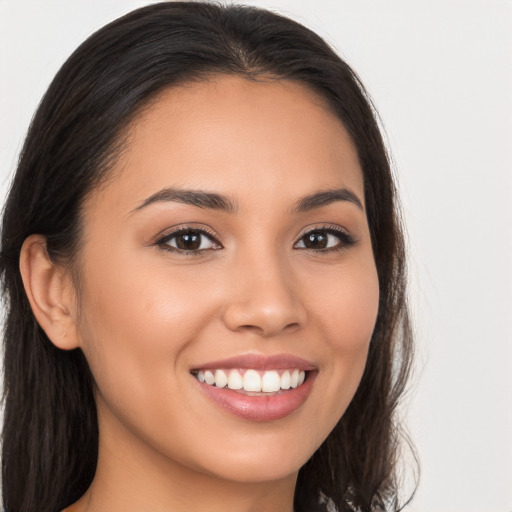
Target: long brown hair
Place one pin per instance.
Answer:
(50, 433)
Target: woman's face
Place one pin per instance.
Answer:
(230, 245)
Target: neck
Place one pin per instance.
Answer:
(182, 494)
(132, 478)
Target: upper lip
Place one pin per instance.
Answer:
(260, 362)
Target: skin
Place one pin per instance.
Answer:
(144, 315)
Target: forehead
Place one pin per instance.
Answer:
(270, 139)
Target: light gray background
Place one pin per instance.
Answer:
(440, 72)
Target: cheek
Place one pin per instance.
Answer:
(346, 312)
(135, 331)
(147, 303)
(346, 305)
(135, 323)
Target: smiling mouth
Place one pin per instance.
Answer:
(252, 382)
(257, 387)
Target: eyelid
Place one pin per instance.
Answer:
(164, 236)
(346, 238)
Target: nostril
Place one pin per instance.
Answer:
(266, 330)
(258, 316)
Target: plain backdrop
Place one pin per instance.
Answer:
(440, 72)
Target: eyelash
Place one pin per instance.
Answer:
(163, 242)
(345, 239)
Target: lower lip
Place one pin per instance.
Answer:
(260, 408)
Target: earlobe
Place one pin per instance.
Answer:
(50, 293)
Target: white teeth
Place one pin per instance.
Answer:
(209, 378)
(221, 379)
(252, 380)
(235, 380)
(294, 381)
(286, 380)
(270, 382)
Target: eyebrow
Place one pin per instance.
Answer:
(213, 201)
(197, 198)
(325, 197)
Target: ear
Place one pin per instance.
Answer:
(50, 292)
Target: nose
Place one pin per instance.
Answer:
(263, 298)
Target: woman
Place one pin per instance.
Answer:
(204, 273)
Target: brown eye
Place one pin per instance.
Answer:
(325, 240)
(315, 240)
(188, 240)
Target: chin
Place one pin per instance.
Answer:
(258, 471)
(264, 463)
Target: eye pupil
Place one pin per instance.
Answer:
(189, 241)
(315, 240)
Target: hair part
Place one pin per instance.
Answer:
(50, 432)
